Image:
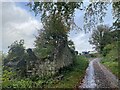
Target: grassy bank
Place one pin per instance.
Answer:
(112, 66)
(73, 75)
(110, 60)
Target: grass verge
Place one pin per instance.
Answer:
(110, 59)
(112, 66)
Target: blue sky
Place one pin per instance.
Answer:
(22, 24)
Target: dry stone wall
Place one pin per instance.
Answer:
(50, 67)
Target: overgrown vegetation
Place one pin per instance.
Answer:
(72, 75)
(100, 37)
(110, 59)
(111, 54)
(57, 19)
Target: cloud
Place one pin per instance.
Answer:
(80, 40)
(18, 24)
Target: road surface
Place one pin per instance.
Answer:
(98, 76)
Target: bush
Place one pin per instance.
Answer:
(23, 84)
(107, 49)
(7, 79)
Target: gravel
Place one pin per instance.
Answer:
(101, 75)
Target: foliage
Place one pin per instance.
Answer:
(7, 79)
(100, 37)
(112, 54)
(96, 11)
(94, 14)
(65, 10)
(57, 18)
(10, 80)
(16, 50)
(107, 49)
(26, 83)
(23, 84)
(16, 58)
(113, 66)
(52, 37)
(72, 75)
(111, 58)
(44, 45)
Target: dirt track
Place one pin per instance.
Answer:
(98, 76)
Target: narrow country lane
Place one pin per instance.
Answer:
(98, 76)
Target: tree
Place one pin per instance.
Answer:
(16, 50)
(44, 44)
(101, 36)
(16, 58)
(50, 38)
(57, 19)
(64, 10)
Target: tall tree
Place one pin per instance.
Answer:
(100, 37)
(57, 19)
(49, 39)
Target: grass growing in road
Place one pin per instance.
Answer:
(73, 76)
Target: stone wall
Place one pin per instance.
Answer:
(50, 67)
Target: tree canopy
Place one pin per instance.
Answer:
(94, 14)
(101, 36)
(63, 10)
(16, 50)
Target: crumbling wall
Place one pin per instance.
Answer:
(50, 67)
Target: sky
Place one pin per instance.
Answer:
(18, 22)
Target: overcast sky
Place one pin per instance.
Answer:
(19, 23)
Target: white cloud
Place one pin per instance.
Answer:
(17, 24)
(80, 40)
